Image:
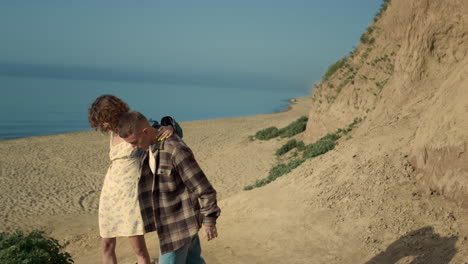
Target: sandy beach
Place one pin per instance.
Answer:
(53, 182)
(391, 189)
(359, 203)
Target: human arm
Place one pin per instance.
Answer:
(197, 183)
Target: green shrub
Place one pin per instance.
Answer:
(275, 173)
(321, 146)
(286, 147)
(291, 144)
(333, 68)
(31, 249)
(330, 137)
(267, 133)
(294, 128)
(365, 38)
(383, 7)
(342, 85)
(380, 85)
(356, 121)
(365, 54)
(300, 146)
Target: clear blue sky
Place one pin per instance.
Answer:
(273, 44)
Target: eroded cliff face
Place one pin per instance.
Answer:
(410, 72)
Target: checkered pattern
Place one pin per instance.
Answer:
(178, 198)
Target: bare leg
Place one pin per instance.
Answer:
(108, 250)
(139, 247)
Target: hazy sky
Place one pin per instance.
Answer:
(273, 44)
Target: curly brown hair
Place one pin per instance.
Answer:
(106, 109)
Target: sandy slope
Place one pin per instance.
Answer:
(360, 203)
(416, 71)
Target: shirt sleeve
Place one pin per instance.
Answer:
(195, 180)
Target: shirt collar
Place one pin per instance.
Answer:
(157, 146)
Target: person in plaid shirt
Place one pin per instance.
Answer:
(176, 198)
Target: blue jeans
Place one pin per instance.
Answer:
(189, 254)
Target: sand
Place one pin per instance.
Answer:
(359, 203)
(53, 182)
(393, 191)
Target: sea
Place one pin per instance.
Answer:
(46, 106)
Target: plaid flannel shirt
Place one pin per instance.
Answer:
(178, 197)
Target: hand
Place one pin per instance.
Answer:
(165, 132)
(210, 232)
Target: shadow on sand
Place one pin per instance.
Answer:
(423, 245)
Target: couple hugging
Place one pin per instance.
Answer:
(153, 184)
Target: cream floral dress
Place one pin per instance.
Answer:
(119, 209)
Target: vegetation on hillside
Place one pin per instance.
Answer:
(33, 248)
(334, 67)
(292, 129)
(291, 144)
(382, 9)
(346, 71)
(315, 149)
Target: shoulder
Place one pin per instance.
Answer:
(175, 144)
